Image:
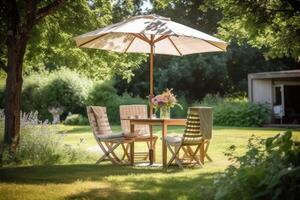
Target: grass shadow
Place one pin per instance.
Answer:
(70, 173)
(190, 188)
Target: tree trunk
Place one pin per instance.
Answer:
(16, 49)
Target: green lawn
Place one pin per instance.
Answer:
(105, 181)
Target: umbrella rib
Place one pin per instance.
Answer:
(175, 46)
(141, 37)
(93, 39)
(160, 38)
(213, 45)
(130, 44)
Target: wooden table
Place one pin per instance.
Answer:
(151, 122)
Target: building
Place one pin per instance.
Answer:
(281, 91)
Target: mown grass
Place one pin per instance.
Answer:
(105, 181)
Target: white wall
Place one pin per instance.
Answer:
(262, 91)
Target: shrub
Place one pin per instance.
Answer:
(76, 119)
(63, 88)
(211, 100)
(270, 169)
(32, 94)
(236, 111)
(104, 94)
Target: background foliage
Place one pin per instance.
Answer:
(61, 88)
(268, 170)
(236, 111)
(223, 73)
(73, 92)
(104, 94)
(271, 25)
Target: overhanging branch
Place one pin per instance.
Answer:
(46, 10)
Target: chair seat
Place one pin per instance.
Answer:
(145, 137)
(196, 140)
(111, 136)
(174, 140)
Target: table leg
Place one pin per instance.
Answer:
(164, 145)
(132, 146)
(151, 146)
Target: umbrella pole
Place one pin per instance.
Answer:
(151, 76)
(151, 96)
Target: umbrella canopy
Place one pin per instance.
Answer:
(150, 34)
(135, 34)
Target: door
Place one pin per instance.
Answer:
(278, 103)
(292, 104)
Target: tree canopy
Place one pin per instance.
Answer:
(270, 25)
(51, 45)
(221, 73)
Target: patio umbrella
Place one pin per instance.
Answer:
(150, 34)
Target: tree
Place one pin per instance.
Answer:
(191, 15)
(270, 25)
(18, 19)
(51, 45)
(124, 8)
(34, 42)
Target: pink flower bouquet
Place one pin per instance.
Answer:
(166, 99)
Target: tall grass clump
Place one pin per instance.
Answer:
(41, 144)
(236, 111)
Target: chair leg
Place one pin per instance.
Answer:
(154, 150)
(205, 151)
(131, 145)
(147, 155)
(192, 154)
(174, 156)
(109, 144)
(194, 157)
(107, 153)
(125, 153)
(185, 153)
(177, 160)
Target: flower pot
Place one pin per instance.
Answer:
(164, 112)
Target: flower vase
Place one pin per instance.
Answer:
(164, 112)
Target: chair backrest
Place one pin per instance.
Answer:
(128, 112)
(98, 120)
(199, 124)
(192, 128)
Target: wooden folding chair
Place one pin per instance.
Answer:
(196, 136)
(107, 141)
(141, 132)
